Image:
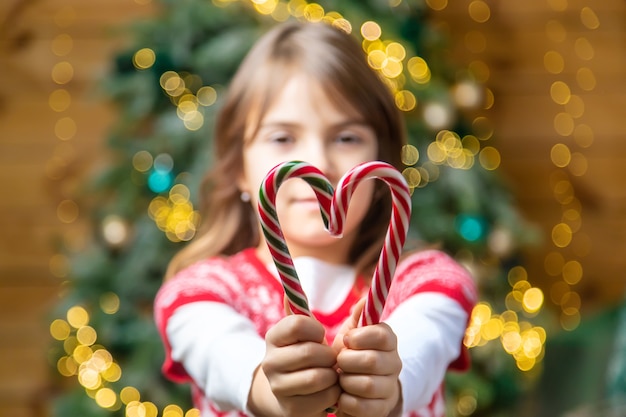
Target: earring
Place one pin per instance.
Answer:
(245, 196)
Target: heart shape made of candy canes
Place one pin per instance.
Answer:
(333, 208)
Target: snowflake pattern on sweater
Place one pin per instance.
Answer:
(242, 282)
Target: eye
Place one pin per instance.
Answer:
(281, 138)
(348, 138)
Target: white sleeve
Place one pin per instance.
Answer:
(219, 348)
(430, 328)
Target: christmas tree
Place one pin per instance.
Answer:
(168, 87)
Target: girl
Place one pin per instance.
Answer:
(306, 92)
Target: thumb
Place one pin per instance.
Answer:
(288, 311)
(351, 322)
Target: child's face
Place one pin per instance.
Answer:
(303, 124)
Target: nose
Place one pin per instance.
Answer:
(319, 155)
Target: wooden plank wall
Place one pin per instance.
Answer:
(42, 160)
(587, 35)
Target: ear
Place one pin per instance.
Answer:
(242, 184)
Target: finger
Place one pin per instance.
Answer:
(351, 323)
(288, 311)
(293, 329)
(377, 337)
(371, 362)
(298, 356)
(350, 405)
(311, 405)
(305, 382)
(368, 386)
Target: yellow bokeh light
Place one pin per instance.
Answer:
(392, 68)
(437, 4)
(409, 155)
(142, 161)
(533, 300)
(193, 120)
(436, 152)
(67, 211)
(86, 335)
(575, 107)
(560, 155)
(492, 329)
(89, 378)
(207, 95)
(584, 49)
(560, 92)
(412, 176)
(583, 135)
(570, 319)
(525, 364)
(553, 62)
(77, 317)
(377, 59)
(479, 11)
(144, 58)
(59, 100)
(564, 192)
(481, 313)
(313, 12)
(589, 18)
(586, 79)
(62, 44)
(172, 83)
(578, 165)
(62, 72)
(110, 303)
(67, 366)
(129, 395)
(516, 274)
(418, 70)
(65, 128)
(405, 100)
(112, 373)
(82, 354)
(395, 50)
(564, 124)
(70, 344)
(489, 158)
(511, 341)
(561, 235)
(172, 410)
(194, 412)
(483, 129)
(371, 30)
(60, 329)
(572, 272)
(106, 397)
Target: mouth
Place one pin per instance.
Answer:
(306, 203)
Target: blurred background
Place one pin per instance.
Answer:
(517, 160)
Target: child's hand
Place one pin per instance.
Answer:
(369, 369)
(299, 367)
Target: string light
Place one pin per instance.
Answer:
(94, 366)
(568, 272)
(516, 334)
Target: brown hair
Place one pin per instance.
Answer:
(336, 60)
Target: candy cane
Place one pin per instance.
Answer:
(333, 208)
